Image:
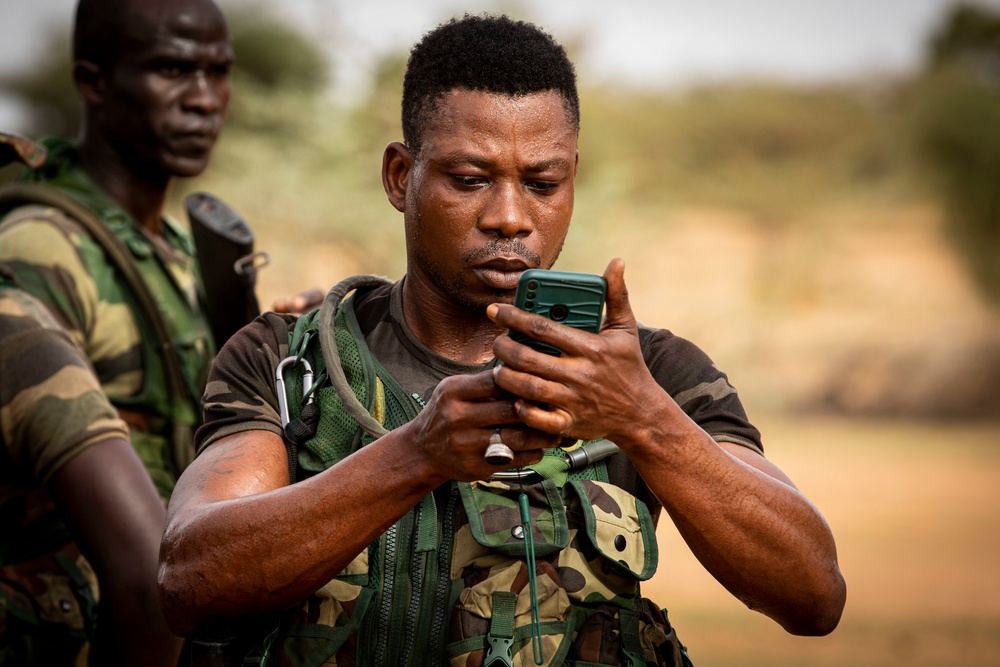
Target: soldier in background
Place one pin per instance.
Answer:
(153, 78)
(80, 520)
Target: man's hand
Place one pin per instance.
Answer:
(301, 303)
(455, 428)
(596, 388)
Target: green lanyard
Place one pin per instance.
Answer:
(529, 549)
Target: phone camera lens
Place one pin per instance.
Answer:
(530, 295)
(559, 312)
(529, 305)
(532, 285)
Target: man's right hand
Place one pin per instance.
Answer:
(454, 429)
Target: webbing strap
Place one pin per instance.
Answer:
(427, 524)
(632, 653)
(501, 635)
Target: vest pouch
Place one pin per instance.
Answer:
(48, 607)
(323, 629)
(491, 619)
(494, 517)
(612, 546)
(646, 640)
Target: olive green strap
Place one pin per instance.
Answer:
(632, 653)
(501, 634)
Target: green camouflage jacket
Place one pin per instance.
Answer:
(51, 408)
(57, 261)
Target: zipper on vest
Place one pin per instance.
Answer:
(398, 601)
(442, 594)
(417, 573)
(385, 599)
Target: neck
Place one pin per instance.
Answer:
(453, 331)
(140, 194)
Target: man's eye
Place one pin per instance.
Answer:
(219, 71)
(171, 71)
(469, 181)
(542, 186)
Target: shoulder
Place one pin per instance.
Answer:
(36, 226)
(254, 350)
(267, 333)
(240, 393)
(662, 349)
(51, 403)
(701, 389)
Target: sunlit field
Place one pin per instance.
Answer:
(914, 510)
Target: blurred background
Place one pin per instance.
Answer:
(810, 191)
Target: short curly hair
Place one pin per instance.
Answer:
(488, 53)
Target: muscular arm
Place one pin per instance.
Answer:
(116, 517)
(233, 505)
(741, 516)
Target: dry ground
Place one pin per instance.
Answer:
(914, 510)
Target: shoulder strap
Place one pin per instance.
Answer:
(327, 364)
(20, 194)
(331, 355)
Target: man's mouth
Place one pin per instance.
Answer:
(196, 141)
(501, 273)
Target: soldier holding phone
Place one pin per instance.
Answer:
(373, 512)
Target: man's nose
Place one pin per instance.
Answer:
(206, 93)
(506, 212)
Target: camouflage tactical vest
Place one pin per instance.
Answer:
(175, 364)
(447, 584)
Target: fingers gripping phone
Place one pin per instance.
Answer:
(573, 299)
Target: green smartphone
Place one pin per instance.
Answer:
(573, 299)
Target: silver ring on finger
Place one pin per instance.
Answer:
(498, 453)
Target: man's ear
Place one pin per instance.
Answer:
(89, 81)
(397, 162)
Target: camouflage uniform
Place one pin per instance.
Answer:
(51, 409)
(447, 584)
(54, 259)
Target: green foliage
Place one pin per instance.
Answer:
(956, 121)
(770, 150)
(275, 56)
(969, 32)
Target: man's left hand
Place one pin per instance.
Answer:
(599, 387)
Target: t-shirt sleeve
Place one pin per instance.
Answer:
(51, 403)
(699, 387)
(37, 246)
(240, 394)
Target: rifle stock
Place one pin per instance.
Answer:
(227, 263)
